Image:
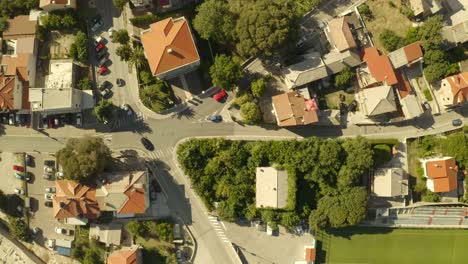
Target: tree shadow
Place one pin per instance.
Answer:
(188, 113)
(348, 232)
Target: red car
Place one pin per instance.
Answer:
(102, 70)
(99, 47)
(219, 96)
(18, 168)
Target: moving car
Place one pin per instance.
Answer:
(18, 168)
(457, 122)
(215, 118)
(147, 144)
(219, 96)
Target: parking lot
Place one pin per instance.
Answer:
(41, 215)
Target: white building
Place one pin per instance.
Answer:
(271, 188)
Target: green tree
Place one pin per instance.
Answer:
(225, 72)
(226, 211)
(4, 25)
(258, 87)
(92, 256)
(121, 36)
(146, 77)
(250, 113)
(434, 56)
(156, 96)
(435, 71)
(390, 40)
(68, 21)
(429, 32)
(51, 21)
(79, 48)
(345, 77)
(267, 28)
(125, 52)
(85, 84)
(164, 231)
(103, 111)
(18, 228)
(144, 19)
(365, 11)
(137, 228)
(289, 220)
(431, 197)
(120, 3)
(214, 21)
(82, 159)
(138, 57)
(244, 98)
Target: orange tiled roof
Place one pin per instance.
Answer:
(20, 27)
(135, 203)
(403, 85)
(168, 45)
(7, 86)
(74, 200)
(123, 256)
(413, 51)
(310, 254)
(291, 110)
(17, 64)
(443, 173)
(379, 66)
(459, 85)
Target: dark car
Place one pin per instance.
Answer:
(101, 54)
(48, 203)
(120, 82)
(215, 118)
(147, 144)
(105, 85)
(106, 93)
(96, 18)
(457, 122)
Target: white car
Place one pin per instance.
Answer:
(48, 169)
(49, 196)
(51, 243)
(111, 33)
(19, 191)
(50, 190)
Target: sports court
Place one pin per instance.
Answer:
(390, 246)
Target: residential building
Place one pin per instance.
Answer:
(131, 255)
(390, 182)
(59, 95)
(309, 254)
(170, 48)
(293, 108)
(124, 193)
(51, 5)
(339, 34)
(11, 93)
(110, 234)
(20, 27)
(376, 71)
(441, 174)
(410, 104)
(376, 101)
(456, 34)
(271, 188)
(406, 56)
(74, 203)
(453, 90)
(312, 67)
(425, 7)
(142, 3)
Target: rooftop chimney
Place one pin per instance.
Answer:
(170, 51)
(168, 27)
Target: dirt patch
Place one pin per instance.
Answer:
(59, 45)
(386, 16)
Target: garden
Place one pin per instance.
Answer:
(324, 178)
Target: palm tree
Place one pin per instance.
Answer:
(138, 57)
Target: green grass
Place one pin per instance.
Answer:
(427, 94)
(389, 246)
(333, 99)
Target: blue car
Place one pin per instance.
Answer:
(215, 118)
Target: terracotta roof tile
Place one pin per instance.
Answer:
(310, 254)
(444, 174)
(459, 85)
(168, 45)
(123, 256)
(17, 64)
(341, 34)
(292, 109)
(403, 86)
(135, 203)
(7, 86)
(379, 66)
(413, 51)
(20, 27)
(73, 200)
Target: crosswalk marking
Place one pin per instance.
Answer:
(219, 227)
(163, 153)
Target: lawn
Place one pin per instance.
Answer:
(333, 99)
(386, 17)
(383, 245)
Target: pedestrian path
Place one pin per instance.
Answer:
(128, 120)
(219, 228)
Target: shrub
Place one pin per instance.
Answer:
(144, 19)
(85, 84)
(365, 11)
(18, 228)
(121, 36)
(390, 40)
(407, 11)
(258, 87)
(427, 94)
(245, 98)
(156, 96)
(382, 154)
(146, 77)
(251, 113)
(344, 78)
(429, 196)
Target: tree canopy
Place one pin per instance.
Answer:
(125, 52)
(79, 48)
(251, 113)
(82, 159)
(103, 111)
(18, 228)
(267, 28)
(345, 77)
(156, 96)
(258, 87)
(225, 72)
(120, 3)
(121, 36)
(214, 21)
(85, 84)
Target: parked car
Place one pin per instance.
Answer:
(101, 54)
(105, 93)
(99, 47)
(98, 24)
(18, 168)
(28, 160)
(102, 62)
(11, 119)
(50, 243)
(19, 191)
(104, 85)
(119, 82)
(47, 176)
(35, 232)
(457, 122)
(49, 196)
(18, 176)
(102, 70)
(78, 120)
(48, 169)
(219, 96)
(127, 109)
(50, 190)
(215, 118)
(111, 33)
(59, 175)
(48, 204)
(64, 231)
(98, 40)
(147, 144)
